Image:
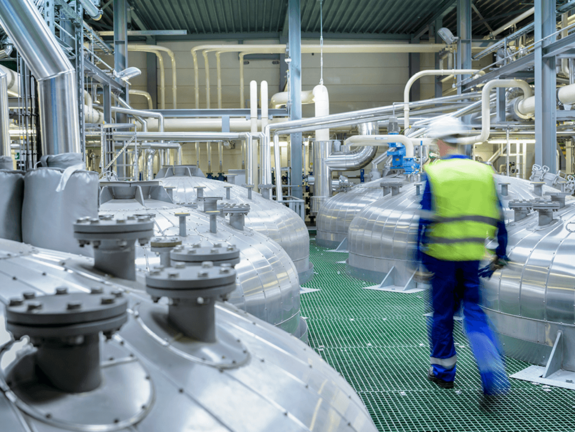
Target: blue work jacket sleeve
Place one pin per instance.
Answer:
(426, 206)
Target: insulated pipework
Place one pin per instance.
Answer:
(58, 98)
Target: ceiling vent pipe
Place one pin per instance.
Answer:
(55, 74)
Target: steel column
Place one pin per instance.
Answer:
(545, 87)
(414, 67)
(294, 13)
(464, 43)
(121, 40)
(438, 84)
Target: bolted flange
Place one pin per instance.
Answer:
(218, 254)
(193, 291)
(521, 209)
(64, 328)
(113, 241)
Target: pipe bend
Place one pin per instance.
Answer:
(485, 107)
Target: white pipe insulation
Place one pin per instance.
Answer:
(382, 141)
(158, 50)
(145, 94)
(265, 150)
(567, 94)
(418, 75)
(252, 156)
(281, 99)
(280, 48)
(485, 108)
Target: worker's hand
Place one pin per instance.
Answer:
(496, 264)
(423, 276)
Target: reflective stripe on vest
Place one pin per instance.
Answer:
(465, 209)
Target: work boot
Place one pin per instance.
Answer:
(441, 383)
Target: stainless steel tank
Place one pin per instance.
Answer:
(382, 236)
(268, 285)
(267, 217)
(131, 368)
(336, 213)
(532, 301)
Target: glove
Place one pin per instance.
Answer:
(496, 264)
(422, 276)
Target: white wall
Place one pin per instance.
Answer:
(354, 81)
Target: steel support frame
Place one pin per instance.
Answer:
(545, 86)
(437, 80)
(121, 63)
(464, 28)
(294, 19)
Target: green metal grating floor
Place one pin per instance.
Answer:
(378, 341)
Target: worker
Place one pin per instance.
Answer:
(460, 210)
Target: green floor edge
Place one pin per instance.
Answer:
(378, 341)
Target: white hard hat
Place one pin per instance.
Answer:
(447, 129)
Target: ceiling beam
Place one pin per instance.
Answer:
(446, 7)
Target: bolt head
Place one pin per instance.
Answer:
(107, 300)
(94, 221)
(97, 290)
(61, 291)
(35, 305)
(73, 305)
(173, 275)
(191, 251)
(231, 248)
(120, 221)
(203, 274)
(197, 245)
(200, 300)
(180, 265)
(117, 293)
(218, 245)
(207, 264)
(29, 295)
(16, 301)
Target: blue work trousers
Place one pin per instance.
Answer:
(455, 284)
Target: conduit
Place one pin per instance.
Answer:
(145, 94)
(418, 75)
(265, 150)
(280, 48)
(252, 156)
(5, 149)
(55, 74)
(157, 49)
(485, 108)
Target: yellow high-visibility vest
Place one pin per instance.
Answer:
(465, 206)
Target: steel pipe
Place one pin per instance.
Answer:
(56, 77)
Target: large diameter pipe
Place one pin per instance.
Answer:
(91, 9)
(157, 49)
(251, 174)
(567, 94)
(134, 92)
(485, 107)
(382, 141)
(511, 23)
(58, 100)
(265, 150)
(418, 75)
(5, 149)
